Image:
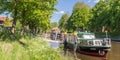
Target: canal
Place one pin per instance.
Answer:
(114, 54)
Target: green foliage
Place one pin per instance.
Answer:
(80, 17)
(106, 14)
(18, 25)
(6, 35)
(100, 16)
(63, 22)
(37, 53)
(53, 24)
(37, 14)
(33, 13)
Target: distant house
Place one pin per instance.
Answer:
(2, 19)
(5, 23)
(56, 29)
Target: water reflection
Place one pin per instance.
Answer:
(114, 54)
(54, 44)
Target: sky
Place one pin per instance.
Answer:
(66, 6)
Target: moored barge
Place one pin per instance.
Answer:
(88, 44)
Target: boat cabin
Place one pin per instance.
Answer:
(88, 39)
(84, 35)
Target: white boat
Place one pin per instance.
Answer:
(89, 44)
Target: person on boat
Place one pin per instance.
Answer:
(75, 43)
(65, 42)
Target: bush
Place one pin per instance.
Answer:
(6, 35)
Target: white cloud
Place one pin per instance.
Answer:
(95, 1)
(60, 12)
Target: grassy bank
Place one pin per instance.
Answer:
(29, 49)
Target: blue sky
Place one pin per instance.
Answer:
(66, 6)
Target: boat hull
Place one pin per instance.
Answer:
(96, 51)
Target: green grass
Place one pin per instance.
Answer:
(34, 49)
(27, 47)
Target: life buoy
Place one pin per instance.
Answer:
(101, 52)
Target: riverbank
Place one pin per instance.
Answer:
(29, 49)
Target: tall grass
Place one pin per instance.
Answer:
(27, 47)
(34, 49)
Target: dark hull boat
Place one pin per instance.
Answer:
(88, 44)
(98, 51)
(115, 39)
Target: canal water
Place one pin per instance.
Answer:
(54, 44)
(114, 54)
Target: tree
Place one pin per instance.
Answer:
(53, 24)
(10, 5)
(114, 13)
(80, 17)
(63, 22)
(100, 16)
(105, 14)
(33, 13)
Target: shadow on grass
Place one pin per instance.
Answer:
(7, 36)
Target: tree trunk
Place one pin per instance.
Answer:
(23, 20)
(15, 17)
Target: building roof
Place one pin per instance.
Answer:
(55, 28)
(2, 18)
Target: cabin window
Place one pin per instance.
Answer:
(87, 36)
(90, 42)
(97, 42)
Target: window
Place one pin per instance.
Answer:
(88, 36)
